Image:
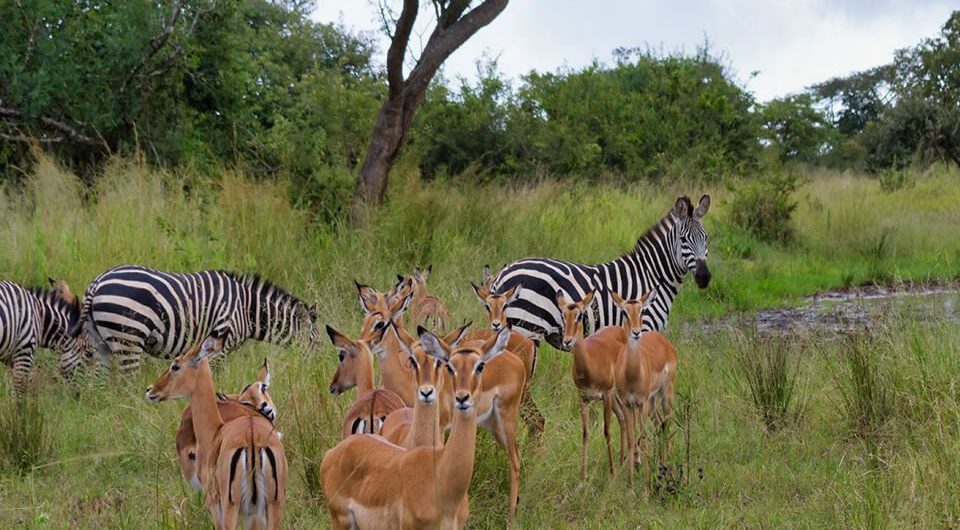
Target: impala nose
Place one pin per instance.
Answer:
(426, 395)
(496, 326)
(567, 344)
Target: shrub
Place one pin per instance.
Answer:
(771, 377)
(764, 207)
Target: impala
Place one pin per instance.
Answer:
(646, 368)
(241, 463)
(594, 369)
(369, 482)
(253, 399)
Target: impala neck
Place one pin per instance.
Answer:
(206, 415)
(393, 374)
(581, 363)
(426, 425)
(365, 381)
(456, 461)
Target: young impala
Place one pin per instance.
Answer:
(524, 348)
(594, 369)
(253, 399)
(646, 369)
(241, 463)
(426, 308)
(355, 369)
(369, 482)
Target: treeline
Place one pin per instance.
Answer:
(255, 84)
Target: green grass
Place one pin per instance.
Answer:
(110, 462)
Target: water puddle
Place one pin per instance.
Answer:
(849, 309)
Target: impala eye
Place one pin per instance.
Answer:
(340, 356)
(263, 388)
(379, 325)
(174, 367)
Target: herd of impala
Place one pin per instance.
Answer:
(407, 450)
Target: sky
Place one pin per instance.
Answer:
(788, 44)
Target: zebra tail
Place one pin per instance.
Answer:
(76, 326)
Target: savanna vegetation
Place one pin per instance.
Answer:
(230, 136)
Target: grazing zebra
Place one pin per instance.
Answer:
(677, 244)
(129, 309)
(36, 318)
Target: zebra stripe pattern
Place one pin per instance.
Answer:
(35, 318)
(674, 246)
(128, 310)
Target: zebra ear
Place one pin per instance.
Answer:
(681, 210)
(487, 277)
(702, 208)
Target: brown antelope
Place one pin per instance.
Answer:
(426, 308)
(253, 399)
(594, 369)
(420, 426)
(241, 463)
(369, 482)
(646, 368)
(524, 348)
(355, 369)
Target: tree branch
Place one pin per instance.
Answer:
(156, 44)
(21, 139)
(69, 132)
(444, 41)
(398, 45)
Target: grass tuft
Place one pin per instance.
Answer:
(770, 367)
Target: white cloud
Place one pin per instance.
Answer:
(791, 44)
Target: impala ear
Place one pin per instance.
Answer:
(648, 298)
(587, 299)
(561, 301)
(481, 292)
(368, 297)
(400, 307)
(513, 294)
(453, 339)
(499, 345)
(264, 375)
(210, 347)
(432, 345)
(341, 342)
(617, 299)
(702, 208)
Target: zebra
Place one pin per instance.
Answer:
(675, 245)
(32, 318)
(129, 310)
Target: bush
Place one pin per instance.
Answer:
(866, 386)
(25, 437)
(764, 207)
(771, 377)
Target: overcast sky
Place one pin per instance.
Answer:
(791, 44)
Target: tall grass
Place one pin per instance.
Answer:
(770, 367)
(113, 463)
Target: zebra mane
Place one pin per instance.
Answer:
(653, 231)
(255, 280)
(45, 295)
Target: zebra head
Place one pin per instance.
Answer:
(693, 238)
(277, 316)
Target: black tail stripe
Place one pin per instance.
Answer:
(233, 472)
(273, 470)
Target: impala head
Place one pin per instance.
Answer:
(420, 278)
(693, 239)
(465, 364)
(256, 394)
(403, 287)
(574, 314)
(380, 309)
(495, 303)
(355, 356)
(633, 313)
(180, 380)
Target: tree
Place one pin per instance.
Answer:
(455, 24)
(796, 130)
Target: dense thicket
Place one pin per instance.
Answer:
(256, 85)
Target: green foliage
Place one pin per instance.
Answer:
(795, 130)
(770, 368)
(26, 438)
(764, 206)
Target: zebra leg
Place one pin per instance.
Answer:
(22, 366)
(93, 334)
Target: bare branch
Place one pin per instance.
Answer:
(398, 45)
(21, 139)
(11, 113)
(156, 44)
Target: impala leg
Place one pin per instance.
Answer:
(631, 443)
(644, 414)
(622, 421)
(506, 437)
(607, 407)
(585, 424)
(667, 410)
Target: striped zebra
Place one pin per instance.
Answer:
(32, 318)
(677, 244)
(129, 310)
